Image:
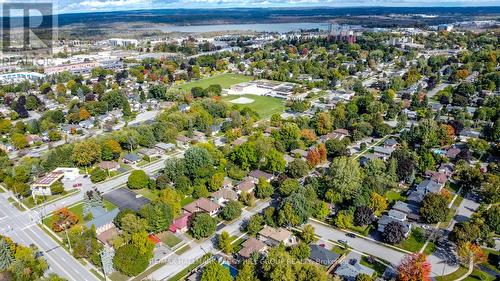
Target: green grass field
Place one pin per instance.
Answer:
(264, 106)
(225, 80)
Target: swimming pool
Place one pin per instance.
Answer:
(233, 271)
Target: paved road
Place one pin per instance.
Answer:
(22, 228)
(176, 263)
(439, 266)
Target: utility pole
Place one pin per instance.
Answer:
(69, 241)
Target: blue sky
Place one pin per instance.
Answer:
(68, 6)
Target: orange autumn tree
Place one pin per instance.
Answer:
(313, 157)
(414, 267)
(63, 219)
(322, 152)
(467, 251)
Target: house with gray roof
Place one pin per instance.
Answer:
(131, 158)
(385, 220)
(322, 256)
(348, 270)
(412, 212)
(428, 186)
(102, 219)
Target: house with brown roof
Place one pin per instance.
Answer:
(109, 165)
(202, 205)
(224, 195)
(274, 236)
(247, 185)
(256, 174)
(251, 246)
(182, 141)
(338, 134)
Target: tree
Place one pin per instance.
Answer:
(313, 157)
(308, 271)
(263, 189)
(231, 211)
(363, 215)
(19, 141)
(470, 252)
(490, 188)
(86, 153)
(364, 277)
(170, 197)
(254, 225)
(203, 225)
(6, 258)
(414, 267)
(307, 235)
(198, 162)
(378, 203)
(247, 271)
(225, 243)
(244, 155)
(215, 182)
(492, 218)
(111, 149)
(97, 175)
(277, 265)
(215, 271)
(158, 215)
(393, 232)
(131, 223)
(343, 219)
(345, 176)
(129, 261)
(301, 251)
(138, 180)
(434, 208)
(289, 186)
(298, 168)
(275, 162)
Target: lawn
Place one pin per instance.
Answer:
(225, 80)
(192, 266)
(148, 193)
(169, 239)
(452, 276)
(263, 105)
(145, 273)
(117, 276)
(478, 275)
(30, 203)
(375, 265)
(186, 200)
(413, 243)
(182, 249)
(392, 196)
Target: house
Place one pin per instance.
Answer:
(164, 147)
(102, 220)
(131, 158)
(247, 185)
(180, 224)
(215, 129)
(109, 165)
(227, 183)
(41, 187)
(32, 139)
(302, 153)
(238, 142)
(106, 237)
(338, 134)
(446, 168)
(412, 212)
(385, 220)
(202, 205)
(184, 107)
(383, 152)
(257, 174)
(183, 141)
(149, 152)
(453, 152)
(274, 236)
(348, 270)
(322, 256)
(224, 195)
(466, 134)
(390, 143)
(428, 186)
(438, 177)
(397, 215)
(251, 246)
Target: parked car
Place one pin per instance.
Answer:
(351, 235)
(344, 241)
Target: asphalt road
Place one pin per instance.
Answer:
(22, 228)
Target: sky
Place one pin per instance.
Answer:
(71, 6)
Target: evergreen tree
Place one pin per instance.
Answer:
(107, 255)
(5, 255)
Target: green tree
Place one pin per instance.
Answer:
(344, 219)
(86, 153)
(345, 176)
(215, 182)
(97, 175)
(215, 271)
(289, 186)
(277, 265)
(434, 208)
(19, 141)
(111, 149)
(198, 162)
(159, 216)
(170, 197)
(231, 211)
(225, 243)
(300, 251)
(275, 162)
(307, 235)
(203, 225)
(247, 272)
(263, 189)
(131, 223)
(6, 258)
(129, 261)
(244, 155)
(297, 168)
(255, 224)
(138, 179)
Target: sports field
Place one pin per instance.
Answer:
(225, 80)
(263, 105)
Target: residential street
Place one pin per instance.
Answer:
(22, 228)
(176, 263)
(439, 266)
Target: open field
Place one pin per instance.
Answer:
(264, 106)
(225, 80)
